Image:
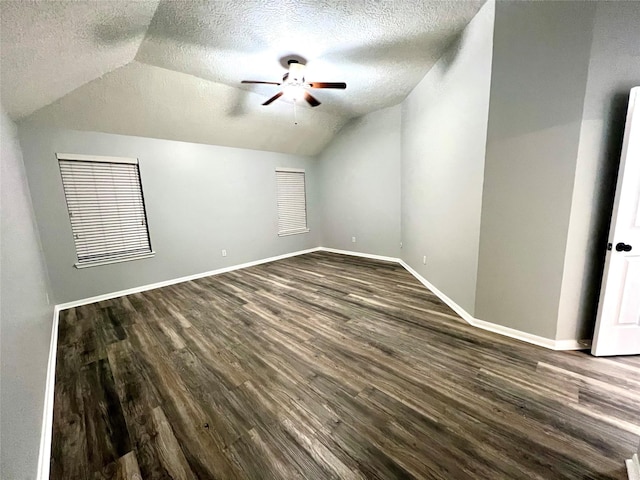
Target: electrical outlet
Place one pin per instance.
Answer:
(424, 260)
(224, 253)
(353, 239)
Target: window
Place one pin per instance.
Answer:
(292, 204)
(106, 208)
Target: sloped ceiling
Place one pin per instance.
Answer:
(49, 48)
(172, 69)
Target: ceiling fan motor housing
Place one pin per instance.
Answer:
(295, 76)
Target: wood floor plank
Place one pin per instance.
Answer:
(124, 468)
(139, 399)
(324, 366)
(203, 446)
(105, 427)
(170, 455)
(69, 457)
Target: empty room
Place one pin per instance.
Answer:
(338, 239)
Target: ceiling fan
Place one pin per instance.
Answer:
(294, 85)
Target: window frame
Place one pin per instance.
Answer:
(71, 157)
(305, 229)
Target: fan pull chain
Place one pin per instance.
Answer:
(295, 112)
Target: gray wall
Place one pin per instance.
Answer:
(540, 59)
(200, 199)
(614, 68)
(444, 127)
(26, 317)
(360, 185)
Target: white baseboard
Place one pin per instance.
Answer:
(44, 457)
(633, 467)
(466, 316)
(573, 345)
(509, 332)
(165, 283)
(493, 327)
(360, 254)
(517, 334)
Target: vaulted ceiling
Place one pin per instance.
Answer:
(172, 69)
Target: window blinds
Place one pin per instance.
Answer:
(292, 206)
(106, 209)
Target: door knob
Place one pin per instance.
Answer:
(623, 247)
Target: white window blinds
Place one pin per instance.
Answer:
(106, 209)
(292, 205)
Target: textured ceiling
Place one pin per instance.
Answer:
(190, 57)
(49, 48)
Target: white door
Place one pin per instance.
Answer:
(618, 325)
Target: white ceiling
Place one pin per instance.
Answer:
(172, 69)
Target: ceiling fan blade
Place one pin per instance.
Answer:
(313, 101)
(340, 85)
(274, 98)
(260, 82)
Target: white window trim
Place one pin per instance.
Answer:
(293, 232)
(96, 158)
(119, 260)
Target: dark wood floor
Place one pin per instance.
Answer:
(326, 366)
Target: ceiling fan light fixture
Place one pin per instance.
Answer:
(293, 85)
(293, 92)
